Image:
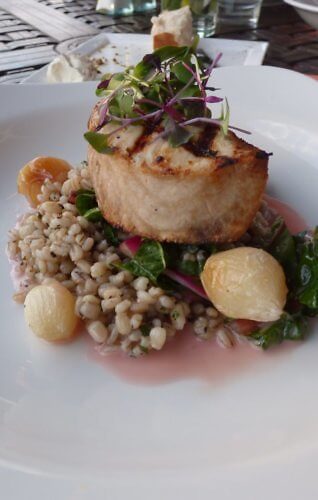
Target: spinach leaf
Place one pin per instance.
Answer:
(145, 329)
(307, 271)
(149, 261)
(288, 327)
(284, 250)
(189, 267)
(176, 257)
(86, 204)
(85, 200)
(93, 215)
(110, 234)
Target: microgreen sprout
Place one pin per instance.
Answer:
(168, 90)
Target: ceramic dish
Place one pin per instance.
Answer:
(226, 423)
(121, 50)
(308, 10)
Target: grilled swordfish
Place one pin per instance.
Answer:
(208, 190)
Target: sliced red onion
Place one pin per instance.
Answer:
(130, 246)
(187, 282)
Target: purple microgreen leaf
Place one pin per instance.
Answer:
(213, 99)
(104, 83)
(151, 92)
(103, 114)
(149, 101)
(173, 112)
(210, 99)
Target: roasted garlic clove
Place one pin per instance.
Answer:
(245, 283)
(49, 311)
(34, 173)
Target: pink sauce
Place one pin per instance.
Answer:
(293, 220)
(186, 356)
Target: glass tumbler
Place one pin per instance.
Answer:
(203, 13)
(115, 7)
(242, 13)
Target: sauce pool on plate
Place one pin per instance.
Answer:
(188, 357)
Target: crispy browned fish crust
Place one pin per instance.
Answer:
(209, 192)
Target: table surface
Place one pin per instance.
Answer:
(32, 30)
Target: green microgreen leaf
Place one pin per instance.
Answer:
(99, 142)
(155, 90)
(225, 117)
(179, 136)
(169, 52)
(182, 73)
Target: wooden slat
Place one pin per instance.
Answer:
(49, 21)
(23, 58)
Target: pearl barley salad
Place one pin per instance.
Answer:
(238, 275)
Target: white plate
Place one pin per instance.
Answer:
(70, 428)
(124, 49)
(307, 9)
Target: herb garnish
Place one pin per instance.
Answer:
(149, 261)
(288, 327)
(169, 89)
(86, 204)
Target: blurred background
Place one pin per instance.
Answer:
(32, 32)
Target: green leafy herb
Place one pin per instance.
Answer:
(98, 141)
(110, 233)
(189, 267)
(179, 136)
(93, 215)
(307, 270)
(284, 250)
(178, 258)
(149, 261)
(175, 315)
(168, 89)
(288, 327)
(145, 330)
(85, 200)
(86, 204)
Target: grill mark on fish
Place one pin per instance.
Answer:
(225, 161)
(201, 147)
(143, 139)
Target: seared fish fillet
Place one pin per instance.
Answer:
(205, 192)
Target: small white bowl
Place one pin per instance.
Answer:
(307, 9)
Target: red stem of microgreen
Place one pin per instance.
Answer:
(211, 121)
(211, 67)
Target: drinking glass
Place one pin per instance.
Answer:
(115, 7)
(144, 5)
(203, 13)
(243, 13)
